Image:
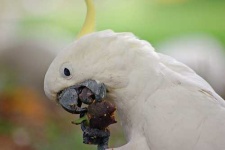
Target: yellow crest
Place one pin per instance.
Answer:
(89, 24)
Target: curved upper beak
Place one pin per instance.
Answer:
(71, 100)
(68, 99)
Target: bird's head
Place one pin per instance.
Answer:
(97, 61)
(94, 64)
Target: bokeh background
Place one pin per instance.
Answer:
(32, 32)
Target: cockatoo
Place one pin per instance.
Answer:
(162, 103)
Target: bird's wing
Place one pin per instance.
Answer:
(185, 113)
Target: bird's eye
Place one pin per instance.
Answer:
(66, 71)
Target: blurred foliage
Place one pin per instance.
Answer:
(150, 20)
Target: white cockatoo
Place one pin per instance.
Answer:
(162, 103)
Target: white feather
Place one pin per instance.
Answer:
(163, 104)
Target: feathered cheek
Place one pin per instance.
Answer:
(115, 82)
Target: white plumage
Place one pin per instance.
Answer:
(163, 104)
(203, 54)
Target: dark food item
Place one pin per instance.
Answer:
(86, 95)
(101, 114)
(97, 116)
(95, 136)
(95, 122)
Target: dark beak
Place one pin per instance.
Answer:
(86, 92)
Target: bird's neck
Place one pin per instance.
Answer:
(129, 102)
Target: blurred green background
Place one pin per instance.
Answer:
(33, 31)
(152, 20)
